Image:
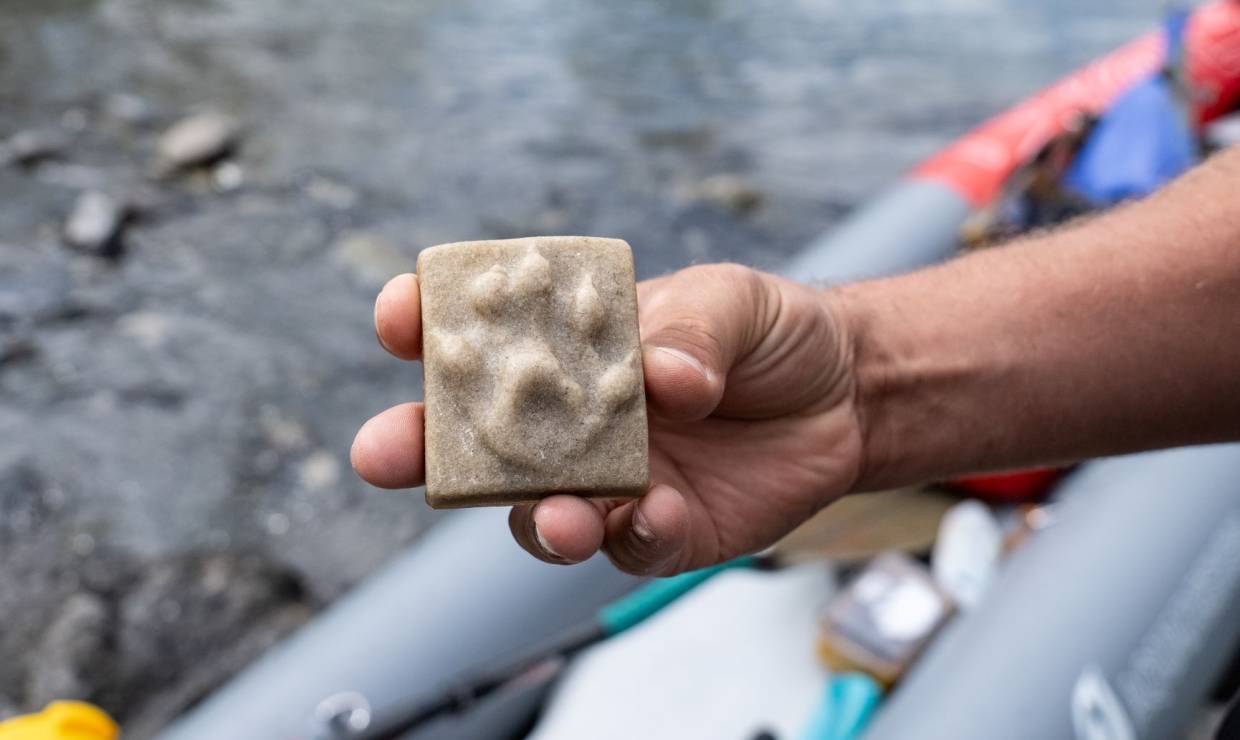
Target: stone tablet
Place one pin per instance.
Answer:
(533, 371)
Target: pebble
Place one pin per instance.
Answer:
(303, 512)
(95, 223)
(371, 258)
(320, 471)
(197, 140)
(148, 328)
(129, 109)
(28, 148)
(277, 524)
(285, 434)
(729, 192)
(82, 544)
(331, 193)
(75, 119)
(227, 177)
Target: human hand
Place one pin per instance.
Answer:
(753, 420)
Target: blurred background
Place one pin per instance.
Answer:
(186, 351)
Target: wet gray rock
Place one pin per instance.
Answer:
(197, 605)
(73, 655)
(199, 680)
(17, 348)
(95, 223)
(142, 638)
(200, 139)
(28, 148)
(729, 192)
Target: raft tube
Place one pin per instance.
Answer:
(1111, 624)
(465, 593)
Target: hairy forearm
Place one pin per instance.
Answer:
(1114, 335)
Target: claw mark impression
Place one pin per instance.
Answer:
(533, 275)
(587, 311)
(489, 291)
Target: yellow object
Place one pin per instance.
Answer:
(62, 720)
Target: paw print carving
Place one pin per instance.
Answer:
(532, 371)
(537, 349)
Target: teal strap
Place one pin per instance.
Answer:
(848, 704)
(633, 609)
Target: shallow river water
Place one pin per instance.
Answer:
(175, 422)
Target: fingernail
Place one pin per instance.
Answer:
(641, 527)
(378, 336)
(544, 546)
(686, 358)
(353, 452)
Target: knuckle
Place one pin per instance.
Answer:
(740, 279)
(710, 311)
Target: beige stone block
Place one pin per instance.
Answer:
(533, 371)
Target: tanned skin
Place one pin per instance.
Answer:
(769, 399)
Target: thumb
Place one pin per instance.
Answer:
(695, 324)
(649, 536)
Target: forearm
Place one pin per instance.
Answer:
(1115, 335)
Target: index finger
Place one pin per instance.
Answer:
(398, 317)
